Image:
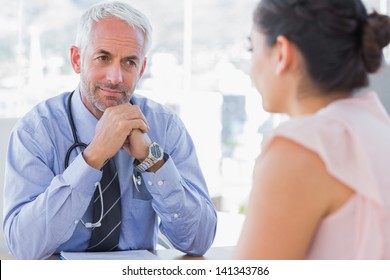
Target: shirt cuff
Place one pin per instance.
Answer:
(82, 177)
(164, 181)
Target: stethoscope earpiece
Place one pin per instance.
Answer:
(92, 225)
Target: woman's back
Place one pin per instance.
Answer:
(352, 138)
(321, 184)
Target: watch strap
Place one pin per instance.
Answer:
(150, 160)
(143, 166)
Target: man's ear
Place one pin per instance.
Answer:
(75, 58)
(285, 52)
(143, 68)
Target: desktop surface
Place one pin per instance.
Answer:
(214, 253)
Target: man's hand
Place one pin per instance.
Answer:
(114, 127)
(137, 144)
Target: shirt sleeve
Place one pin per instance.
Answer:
(180, 195)
(41, 210)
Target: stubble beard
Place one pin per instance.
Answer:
(90, 91)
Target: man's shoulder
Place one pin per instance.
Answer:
(51, 103)
(149, 105)
(158, 113)
(53, 108)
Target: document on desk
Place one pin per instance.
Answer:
(116, 255)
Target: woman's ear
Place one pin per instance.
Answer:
(75, 58)
(285, 54)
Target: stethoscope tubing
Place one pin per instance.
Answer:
(76, 142)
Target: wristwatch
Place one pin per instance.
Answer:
(156, 153)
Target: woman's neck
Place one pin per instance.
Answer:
(311, 103)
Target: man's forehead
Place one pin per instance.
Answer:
(113, 32)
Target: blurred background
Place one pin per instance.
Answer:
(198, 66)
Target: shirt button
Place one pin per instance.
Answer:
(160, 183)
(76, 222)
(150, 183)
(175, 215)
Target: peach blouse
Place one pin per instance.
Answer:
(352, 137)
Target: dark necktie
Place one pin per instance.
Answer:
(106, 237)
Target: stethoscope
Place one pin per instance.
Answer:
(77, 144)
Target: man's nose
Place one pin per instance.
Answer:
(114, 73)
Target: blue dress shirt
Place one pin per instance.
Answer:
(46, 203)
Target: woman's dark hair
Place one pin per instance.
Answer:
(339, 41)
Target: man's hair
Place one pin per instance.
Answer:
(119, 10)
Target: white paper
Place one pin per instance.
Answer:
(116, 255)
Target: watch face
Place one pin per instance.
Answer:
(155, 151)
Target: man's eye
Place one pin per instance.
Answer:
(131, 63)
(103, 58)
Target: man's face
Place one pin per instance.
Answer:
(111, 64)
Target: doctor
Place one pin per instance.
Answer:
(55, 195)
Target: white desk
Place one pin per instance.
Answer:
(214, 253)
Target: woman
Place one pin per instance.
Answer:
(321, 186)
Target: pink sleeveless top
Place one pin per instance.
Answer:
(352, 137)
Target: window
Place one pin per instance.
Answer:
(198, 65)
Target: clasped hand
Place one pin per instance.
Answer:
(120, 126)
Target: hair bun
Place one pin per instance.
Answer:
(376, 36)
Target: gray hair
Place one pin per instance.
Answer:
(119, 10)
